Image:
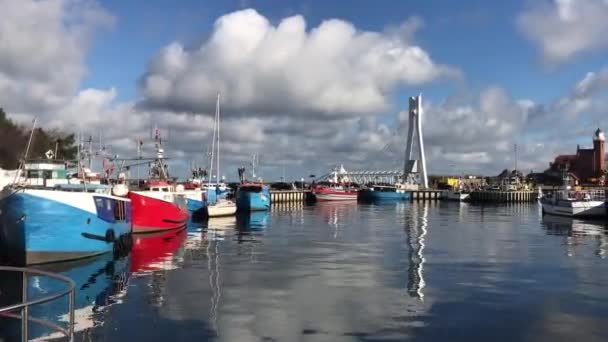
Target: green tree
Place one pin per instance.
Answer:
(14, 139)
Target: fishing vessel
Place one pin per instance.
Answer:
(457, 194)
(575, 203)
(222, 206)
(159, 204)
(46, 219)
(253, 197)
(338, 189)
(374, 193)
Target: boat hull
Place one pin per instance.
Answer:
(253, 199)
(457, 196)
(220, 209)
(330, 195)
(45, 226)
(151, 214)
(199, 199)
(574, 208)
(369, 195)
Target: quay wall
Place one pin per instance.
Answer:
(285, 196)
(504, 196)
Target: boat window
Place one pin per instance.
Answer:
(34, 174)
(120, 210)
(251, 188)
(105, 209)
(165, 189)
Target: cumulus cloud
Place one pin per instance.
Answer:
(583, 96)
(331, 70)
(562, 29)
(303, 98)
(42, 48)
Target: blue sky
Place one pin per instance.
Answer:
(479, 37)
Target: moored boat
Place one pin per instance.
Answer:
(44, 219)
(334, 193)
(159, 206)
(222, 206)
(338, 189)
(575, 203)
(457, 195)
(397, 192)
(253, 197)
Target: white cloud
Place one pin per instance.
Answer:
(330, 70)
(563, 29)
(42, 48)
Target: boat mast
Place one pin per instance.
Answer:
(217, 110)
(213, 144)
(27, 152)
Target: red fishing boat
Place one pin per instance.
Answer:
(334, 193)
(338, 189)
(159, 204)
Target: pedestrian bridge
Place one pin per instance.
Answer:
(376, 176)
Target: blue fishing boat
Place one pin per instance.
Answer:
(253, 197)
(44, 218)
(375, 193)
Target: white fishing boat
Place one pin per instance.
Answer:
(575, 203)
(457, 195)
(222, 207)
(457, 192)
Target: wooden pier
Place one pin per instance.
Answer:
(504, 196)
(284, 196)
(426, 195)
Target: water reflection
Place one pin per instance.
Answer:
(100, 283)
(577, 233)
(423, 271)
(333, 213)
(416, 230)
(155, 252)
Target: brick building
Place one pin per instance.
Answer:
(587, 165)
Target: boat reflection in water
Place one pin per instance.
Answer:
(154, 252)
(256, 221)
(333, 213)
(578, 233)
(100, 283)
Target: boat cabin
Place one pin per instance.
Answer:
(159, 186)
(47, 174)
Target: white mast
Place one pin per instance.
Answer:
(217, 111)
(212, 147)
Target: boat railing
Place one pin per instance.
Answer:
(583, 195)
(23, 308)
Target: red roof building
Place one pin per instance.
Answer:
(587, 164)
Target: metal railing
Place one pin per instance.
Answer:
(24, 306)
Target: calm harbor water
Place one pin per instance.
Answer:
(431, 271)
